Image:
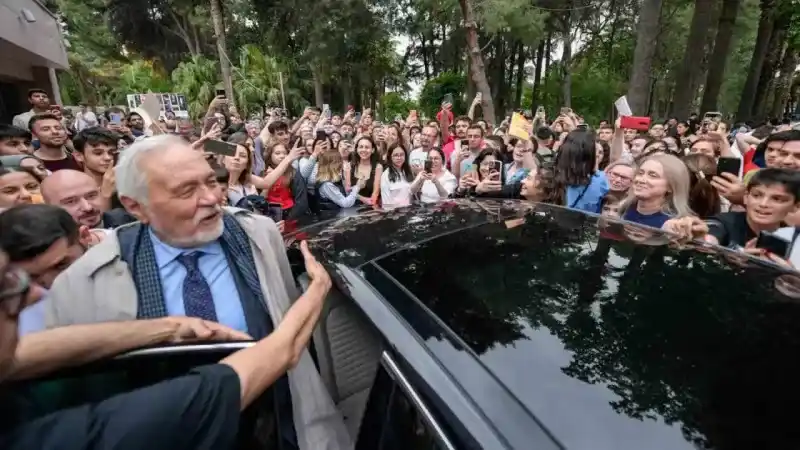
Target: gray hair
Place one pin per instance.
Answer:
(132, 182)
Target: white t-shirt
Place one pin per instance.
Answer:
(417, 157)
(430, 194)
(394, 194)
(85, 120)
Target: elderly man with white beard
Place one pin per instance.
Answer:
(187, 256)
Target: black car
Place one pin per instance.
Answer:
(509, 325)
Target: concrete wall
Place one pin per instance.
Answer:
(38, 43)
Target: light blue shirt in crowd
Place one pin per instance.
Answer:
(215, 269)
(590, 201)
(31, 319)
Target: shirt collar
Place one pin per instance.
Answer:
(166, 253)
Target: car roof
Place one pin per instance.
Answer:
(608, 335)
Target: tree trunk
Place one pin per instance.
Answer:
(548, 52)
(318, 96)
(520, 76)
(647, 31)
(537, 76)
(424, 50)
(771, 65)
(224, 62)
(690, 70)
(566, 55)
(784, 81)
(765, 25)
(722, 46)
(477, 70)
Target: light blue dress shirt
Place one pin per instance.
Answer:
(31, 319)
(215, 269)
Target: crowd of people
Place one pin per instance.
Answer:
(150, 197)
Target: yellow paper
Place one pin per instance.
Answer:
(519, 127)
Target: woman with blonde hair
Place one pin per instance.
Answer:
(660, 191)
(330, 185)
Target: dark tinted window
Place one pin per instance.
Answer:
(611, 344)
(392, 422)
(27, 400)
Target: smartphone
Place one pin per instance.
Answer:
(321, 135)
(448, 98)
(219, 147)
(326, 109)
(565, 110)
(357, 116)
(220, 93)
(635, 123)
(428, 166)
(472, 168)
(497, 166)
(773, 244)
(540, 110)
(727, 164)
(464, 143)
(116, 118)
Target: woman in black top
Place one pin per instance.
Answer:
(365, 164)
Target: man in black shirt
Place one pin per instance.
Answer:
(771, 195)
(198, 410)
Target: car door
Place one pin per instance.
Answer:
(29, 399)
(398, 416)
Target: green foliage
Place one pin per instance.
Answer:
(434, 91)
(393, 104)
(196, 79)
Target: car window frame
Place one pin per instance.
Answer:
(128, 358)
(415, 398)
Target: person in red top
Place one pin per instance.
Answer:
(289, 190)
(462, 123)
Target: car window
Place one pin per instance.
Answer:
(393, 422)
(27, 400)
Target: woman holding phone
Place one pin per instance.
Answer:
(486, 171)
(434, 183)
(365, 164)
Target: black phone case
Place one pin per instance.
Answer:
(773, 244)
(729, 165)
(220, 147)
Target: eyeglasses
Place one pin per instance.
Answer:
(14, 287)
(621, 177)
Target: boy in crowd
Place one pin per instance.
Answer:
(14, 141)
(771, 195)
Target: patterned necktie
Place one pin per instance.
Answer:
(197, 299)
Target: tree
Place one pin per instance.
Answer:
(719, 57)
(690, 71)
(476, 67)
(647, 29)
(765, 25)
(222, 48)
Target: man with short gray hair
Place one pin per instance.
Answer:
(189, 256)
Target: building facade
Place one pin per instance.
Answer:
(31, 51)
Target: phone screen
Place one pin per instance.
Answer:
(116, 118)
(464, 143)
(428, 166)
(448, 98)
(497, 166)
